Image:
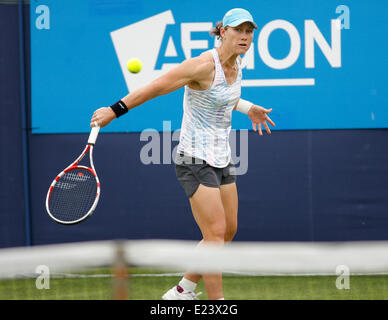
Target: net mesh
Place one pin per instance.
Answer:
(145, 270)
(73, 195)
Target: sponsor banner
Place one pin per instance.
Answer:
(318, 65)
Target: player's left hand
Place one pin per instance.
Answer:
(259, 116)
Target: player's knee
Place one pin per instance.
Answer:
(230, 233)
(231, 227)
(216, 232)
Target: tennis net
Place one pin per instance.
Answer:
(145, 269)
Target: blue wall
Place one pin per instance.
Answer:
(300, 186)
(307, 185)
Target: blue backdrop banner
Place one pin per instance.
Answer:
(319, 65)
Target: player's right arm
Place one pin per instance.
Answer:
(193, 71)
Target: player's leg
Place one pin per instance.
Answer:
(208, 212)
(229, 200)
(195, 180)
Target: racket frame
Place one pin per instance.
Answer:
(89, 148)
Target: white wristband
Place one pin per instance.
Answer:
(244, 106)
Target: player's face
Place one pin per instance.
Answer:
(239, 38)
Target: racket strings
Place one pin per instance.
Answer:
(73, 195)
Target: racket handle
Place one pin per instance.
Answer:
(93, 135)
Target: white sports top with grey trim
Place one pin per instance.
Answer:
(207, 116)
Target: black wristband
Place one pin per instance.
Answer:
(119, 108)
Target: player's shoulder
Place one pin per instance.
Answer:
(206, 57)
(202, 63)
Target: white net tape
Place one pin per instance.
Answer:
(264, 258)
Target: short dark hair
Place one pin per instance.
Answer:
(216, 31)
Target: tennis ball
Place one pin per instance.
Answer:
(134, 65)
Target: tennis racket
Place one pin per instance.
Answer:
(74, 193)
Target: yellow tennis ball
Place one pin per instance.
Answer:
(134, 65)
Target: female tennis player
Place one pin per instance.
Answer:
(203, 164)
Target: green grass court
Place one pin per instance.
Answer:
(98, 285)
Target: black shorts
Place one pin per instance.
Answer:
(195, 172)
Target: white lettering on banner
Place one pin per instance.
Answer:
(278, 82)
(264, 39)
(151, 29)
(158, 62)
(312, 35)
(170, 50)
(187, 43)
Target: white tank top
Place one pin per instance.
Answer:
(207, 116)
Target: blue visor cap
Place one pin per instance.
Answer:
(237, 16)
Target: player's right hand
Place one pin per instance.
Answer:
(103, 116)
